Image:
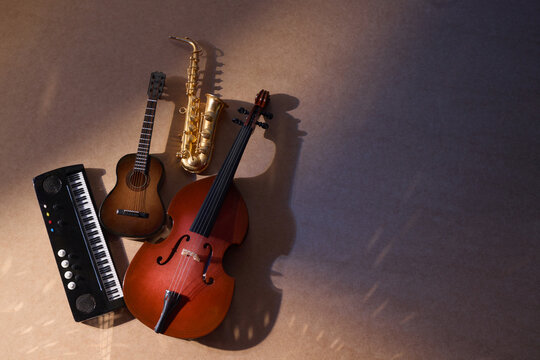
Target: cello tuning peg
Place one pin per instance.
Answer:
(236, 121)
(241, 110)
(267, 116)
(263, 125)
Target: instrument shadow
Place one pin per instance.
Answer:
(118, 254)
(272, 229)
(210, 75)
(174, 177)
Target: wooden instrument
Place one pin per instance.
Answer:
(80, 250)
(133, 208)
(178, 286)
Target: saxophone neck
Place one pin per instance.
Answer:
(193, 69)
(187, 40)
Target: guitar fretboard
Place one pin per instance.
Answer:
(141, 160)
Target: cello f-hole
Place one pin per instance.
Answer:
(173, 251)
(208, 281)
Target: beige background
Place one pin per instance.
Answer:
(393, 201)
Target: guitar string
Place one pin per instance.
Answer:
(146, 152)
(140, 177)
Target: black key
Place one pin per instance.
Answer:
(106, 269)
(97, 248)
(90, 226)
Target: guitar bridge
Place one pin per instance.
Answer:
(133, 213)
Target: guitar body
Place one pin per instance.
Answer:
(205, 300)
(133, 208)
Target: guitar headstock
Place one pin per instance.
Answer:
(156, 84)
(261, 101)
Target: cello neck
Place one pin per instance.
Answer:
(207, 215)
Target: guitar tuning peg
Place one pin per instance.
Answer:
(267, 116)
(236, 121)
(241, 110)
(263, 125)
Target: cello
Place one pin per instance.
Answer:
(178, 286)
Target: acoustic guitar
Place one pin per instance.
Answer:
(133, 208)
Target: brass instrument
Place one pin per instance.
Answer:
(199, 127)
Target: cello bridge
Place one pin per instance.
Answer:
(189, 253)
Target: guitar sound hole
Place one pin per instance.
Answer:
(137, 180)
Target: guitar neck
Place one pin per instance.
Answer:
(141, 160)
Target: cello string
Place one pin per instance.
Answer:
(188, 266)
(225, 182)
(221, 186)
(196, 238)
(229, 164)
(177, 275)
(216, 198)
(213, 192)
(221, 181)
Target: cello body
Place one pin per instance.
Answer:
(155, 266)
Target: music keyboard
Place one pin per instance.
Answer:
(95, 240)
(81, 252)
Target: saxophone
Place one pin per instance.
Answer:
(199, 128)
